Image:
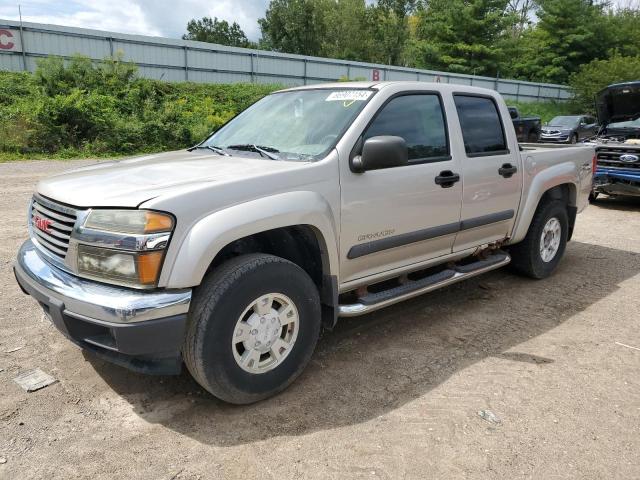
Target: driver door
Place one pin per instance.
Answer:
(399, 216)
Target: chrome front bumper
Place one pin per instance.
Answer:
(140, 330)
(90, 299)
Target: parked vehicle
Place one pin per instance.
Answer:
(527, 128)
(618, 142)
(314, 203)
(569, 129)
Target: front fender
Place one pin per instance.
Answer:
(212, 233)
(541, 182)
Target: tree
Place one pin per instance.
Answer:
(521, 12)
(295, 26)
(594, 76)
(388, 29)
(216, 31)
(347, 35)
(461, 35)
(568, 34)
(624, 25)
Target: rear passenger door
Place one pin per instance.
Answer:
(492, 175)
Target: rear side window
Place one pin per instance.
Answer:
(418, 119)
(481, 126)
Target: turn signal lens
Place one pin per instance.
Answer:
(149, 267)
(157, 222)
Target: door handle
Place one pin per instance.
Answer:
(507, 170)
(447, 178)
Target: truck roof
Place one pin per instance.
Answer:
(407, 83)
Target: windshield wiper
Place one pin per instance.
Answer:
(264, 151)
(213, 148)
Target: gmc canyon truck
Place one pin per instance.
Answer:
(618, 141)
(315, 203)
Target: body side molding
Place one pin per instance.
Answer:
(426, 234)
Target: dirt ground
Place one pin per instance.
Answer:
(395, 394)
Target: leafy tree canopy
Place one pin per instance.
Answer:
(212, 30)
(535, 40)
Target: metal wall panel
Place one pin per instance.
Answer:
(401, 75)
(484, 83)
(12, 63)
(179, 60)
(507, 88)
(325, 70)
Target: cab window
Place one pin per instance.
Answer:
(419, 119)
(481, 125)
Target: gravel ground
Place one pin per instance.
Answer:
(395, 394)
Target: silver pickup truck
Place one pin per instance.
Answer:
(314, 203)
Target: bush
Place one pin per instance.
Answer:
(79, 108)
(545, 110)
(594, 76)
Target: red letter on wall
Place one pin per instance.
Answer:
(7, 45)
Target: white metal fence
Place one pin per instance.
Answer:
(180, 60)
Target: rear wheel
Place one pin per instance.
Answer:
(254, 325)
(538, 255)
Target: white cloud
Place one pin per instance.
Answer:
(167, 18)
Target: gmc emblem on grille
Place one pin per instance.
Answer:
(627, 158)
(42, 223)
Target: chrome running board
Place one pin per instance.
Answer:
(375, 301)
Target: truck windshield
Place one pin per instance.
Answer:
(568, 122)
(299, 125)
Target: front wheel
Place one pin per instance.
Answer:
(538, 255)
(254, 325)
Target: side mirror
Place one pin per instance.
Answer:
(513, 114)
(381, 152)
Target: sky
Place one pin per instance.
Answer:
(164, 18)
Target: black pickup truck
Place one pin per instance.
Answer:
(528, 128)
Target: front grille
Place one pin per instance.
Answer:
(51, 225)
(610, 157)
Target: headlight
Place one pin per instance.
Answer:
(136, 222)
(123, 247)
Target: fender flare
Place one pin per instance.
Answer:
(562, 174)
(210, 234)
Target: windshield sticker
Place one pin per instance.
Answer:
(349, 96)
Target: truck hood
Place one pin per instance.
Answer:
(618, 103)
(128, 183)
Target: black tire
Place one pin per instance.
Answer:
(216, 307)
(526, 258)
(574, 139)
(593, 196)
